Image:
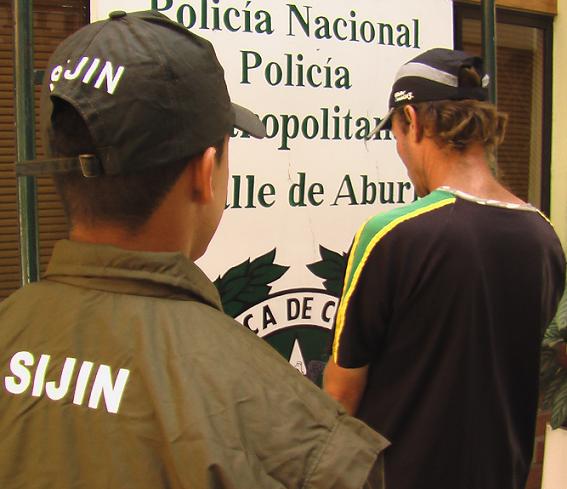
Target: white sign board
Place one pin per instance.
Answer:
(318, 73)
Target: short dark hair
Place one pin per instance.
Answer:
(125, 199)
(459, 124)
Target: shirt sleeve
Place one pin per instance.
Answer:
(365, 307)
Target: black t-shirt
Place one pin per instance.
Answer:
(446, 300)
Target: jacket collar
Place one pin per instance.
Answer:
(112, 269)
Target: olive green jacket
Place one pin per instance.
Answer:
(120, 370)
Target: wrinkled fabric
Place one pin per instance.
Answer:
(206, 404)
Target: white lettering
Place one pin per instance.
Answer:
(20, 371)
(39, 379)
(91, 71)
(82, 381)
(55, 76)
(56, 393)
(103, 386)
(403, 95)
(111, 78)
(78, 69)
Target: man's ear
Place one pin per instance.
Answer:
(201, 170)
(410, 115)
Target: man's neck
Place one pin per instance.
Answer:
(121, 238)
(174, 226)
(468, 172)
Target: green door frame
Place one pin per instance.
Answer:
(25, 138)
(488, 22)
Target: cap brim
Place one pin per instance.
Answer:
(247, 121)
(385, 123)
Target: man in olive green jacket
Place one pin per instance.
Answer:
(119, 368)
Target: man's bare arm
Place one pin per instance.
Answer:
(346, 385)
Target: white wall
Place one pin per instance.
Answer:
(554, 466)
(559, 134)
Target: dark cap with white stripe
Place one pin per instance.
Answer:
(435, 75)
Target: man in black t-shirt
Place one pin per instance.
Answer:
(436, 340)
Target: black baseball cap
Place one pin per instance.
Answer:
(432, 76)
(150, 92)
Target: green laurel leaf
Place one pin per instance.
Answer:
(230, 285)
(548, 366)
(333, 257)
(266, 259)
(253, 292)
(246, 284)
(234, 288)
(551, 388)
(324, 269)
(236, 272)
(335, 285)
(267, 273)
(234, 308)
(551, 334)
(331, 269)
(559, 406)
(552, 374)
(560, 319)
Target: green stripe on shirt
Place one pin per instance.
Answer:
(368, 236)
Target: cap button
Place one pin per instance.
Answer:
(117, 14)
